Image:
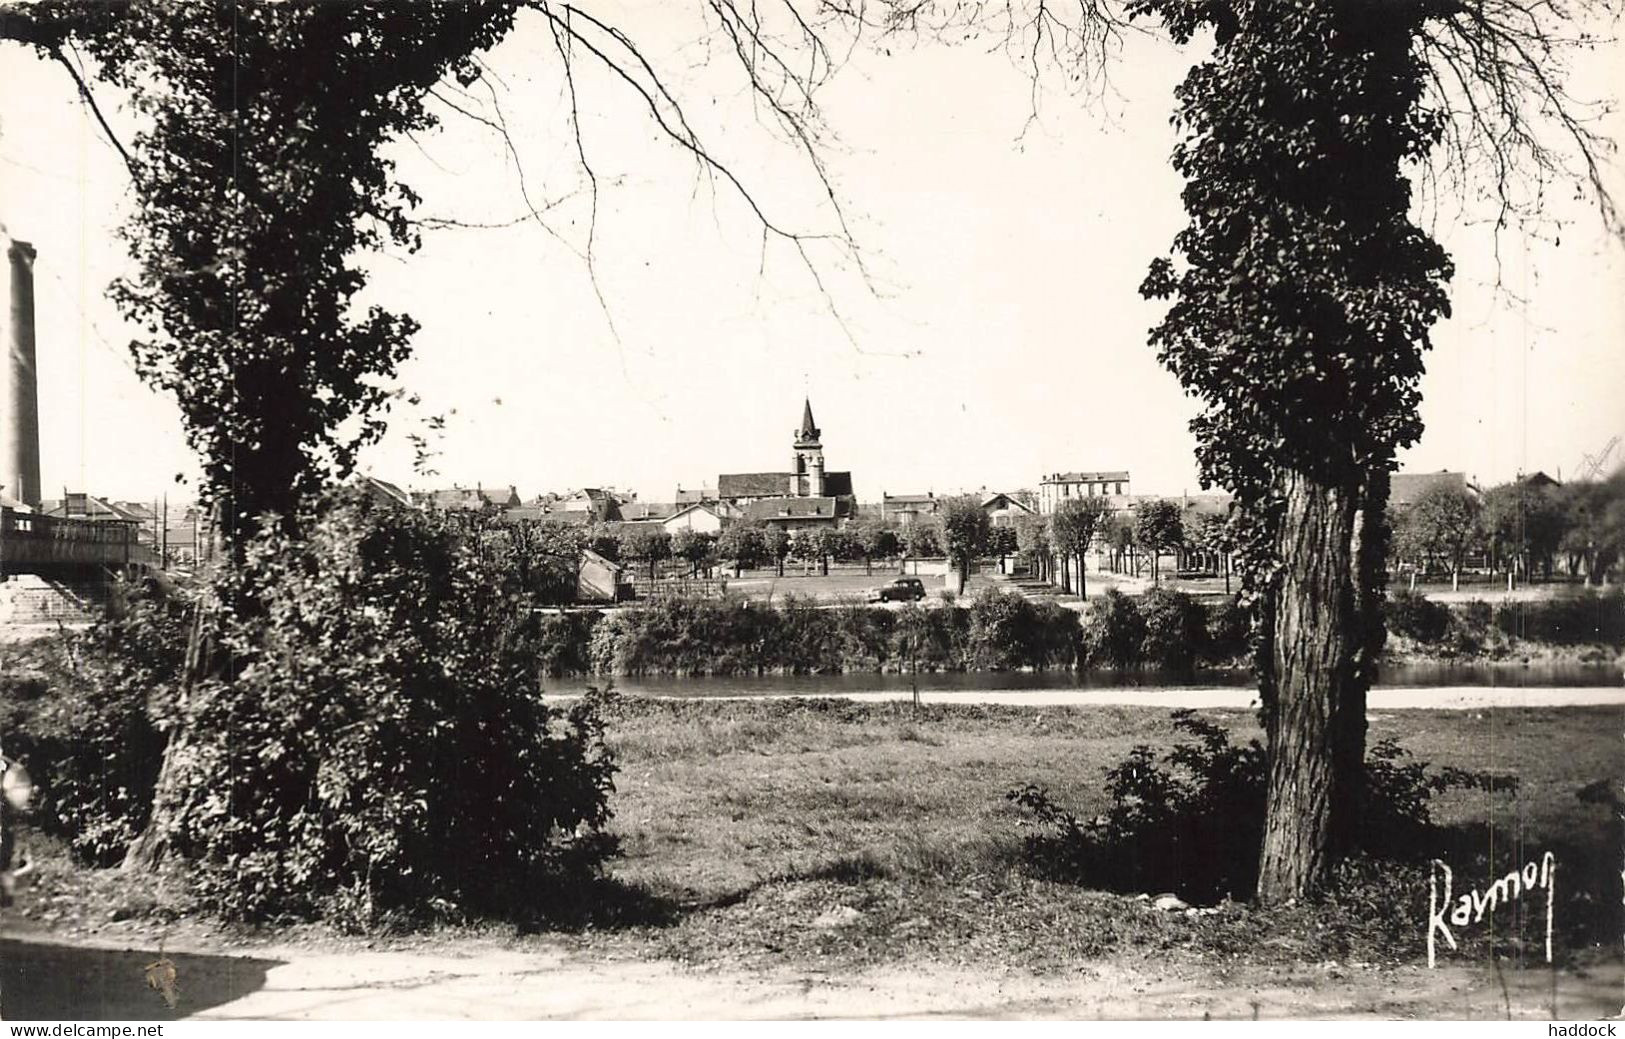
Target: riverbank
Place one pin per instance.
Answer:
(831, 840)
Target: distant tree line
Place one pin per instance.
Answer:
(1525, 528)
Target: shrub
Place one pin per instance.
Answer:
(79, 719)
(1415, 616)
(1113, 630)
(929, 639)
(1192, 820)
(1567, 620)
(1229, 630)
(1469, 627)
(379, 749)
(564, 643)
(1174, 629)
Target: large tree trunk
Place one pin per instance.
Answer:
(1321, 660)
(148, 849)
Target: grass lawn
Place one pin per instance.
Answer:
(830, 832)
(827, 835)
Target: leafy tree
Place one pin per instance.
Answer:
(1120, 536)
(1032, 541)
(538, 559)
(1300, 300)
(804, 546)
(1158, 528)
(1002, 541)
(1594, 535)
(260, 179)
(965, 527)
(1072, 528)
(1211, 534)
(1443, 523)
(778, 544)
(696, 547)
(875, 540)
(605, 539)
(1525, 525)
(745, 544)
(923, 539)
(646, 543)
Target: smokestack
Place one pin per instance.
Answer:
(19, 389)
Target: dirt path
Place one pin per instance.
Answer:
(545, 979)
(1440, 698)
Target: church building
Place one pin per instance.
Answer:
(807, 495)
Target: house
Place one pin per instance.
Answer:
(473, 498)
(807, 477)
(798, 513)
(905, 509)
(383, 492)
(638, 511)
(694, 497)
(1405, 488)
(597, 503)
(1058, 487)
(706, 517)
(1002, 509)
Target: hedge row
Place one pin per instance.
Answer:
(1570, 620)
(995, 631)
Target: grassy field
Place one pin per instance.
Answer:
(826, 835)
(828, 832)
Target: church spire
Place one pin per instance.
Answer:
(808, 432)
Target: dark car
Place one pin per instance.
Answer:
(903, 589)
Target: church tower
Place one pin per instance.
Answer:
(807, 479)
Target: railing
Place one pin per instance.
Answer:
(29, 541)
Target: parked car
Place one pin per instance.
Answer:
(903, 589)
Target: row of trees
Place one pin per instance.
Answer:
(1055, 546)
(962, 531)
(1519, 528)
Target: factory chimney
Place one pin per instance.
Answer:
(19, 389)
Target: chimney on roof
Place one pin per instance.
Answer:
(19, 391)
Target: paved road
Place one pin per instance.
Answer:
(542, 979)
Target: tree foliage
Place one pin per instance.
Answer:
(965, 526)
(261, 179)
(383, 749)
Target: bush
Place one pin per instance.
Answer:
(1566, 620)
(1229, 632)
(1415, 616)
(78, 718)
(1469, 627)
(1008, 631)
(564, 643)
(1113, 630)
(380, 750)
(1175, 629)
(1192, 820)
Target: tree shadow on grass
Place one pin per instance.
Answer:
(602, 904)
(44, 981)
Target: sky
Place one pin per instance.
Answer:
(993, 334)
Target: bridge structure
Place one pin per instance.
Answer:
(67, 548)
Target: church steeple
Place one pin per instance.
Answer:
(808, 476)
(808, 433)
